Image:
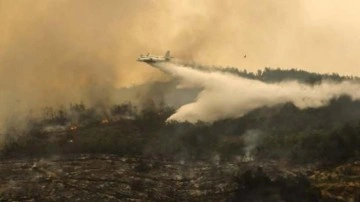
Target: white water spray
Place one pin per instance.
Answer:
(225, 95)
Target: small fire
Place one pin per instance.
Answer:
(104, 121)
(73, 127)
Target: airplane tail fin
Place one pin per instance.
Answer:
(167, 55)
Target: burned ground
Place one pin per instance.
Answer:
(119, 178)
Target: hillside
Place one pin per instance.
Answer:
(315, 142)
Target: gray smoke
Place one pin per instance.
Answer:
(251, 141)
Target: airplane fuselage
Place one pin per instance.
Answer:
(153, 59)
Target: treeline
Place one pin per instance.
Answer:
(282, 132)
(271, 75)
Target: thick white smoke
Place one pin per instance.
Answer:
(225, 95)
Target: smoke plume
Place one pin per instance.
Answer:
(225, 95)
(56, 52)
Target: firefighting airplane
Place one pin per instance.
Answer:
(153, 59)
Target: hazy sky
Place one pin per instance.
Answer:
(313, 35)
(61, 51)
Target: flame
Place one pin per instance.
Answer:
(73, 127)
(104, 121)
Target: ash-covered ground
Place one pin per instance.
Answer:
(115, 178)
